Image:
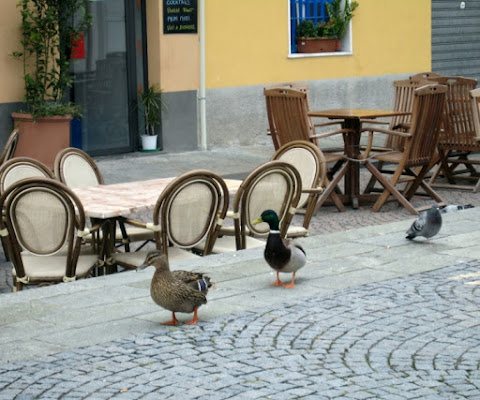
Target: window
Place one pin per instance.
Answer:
(316, 11)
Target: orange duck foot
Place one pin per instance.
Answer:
(278, 282)
(290, 285)
(195, 318)
(174, 320)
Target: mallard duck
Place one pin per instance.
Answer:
(283, 255)
(176, 291)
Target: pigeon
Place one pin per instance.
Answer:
(427, 224)
(453, 207)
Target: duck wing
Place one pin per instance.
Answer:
(196, 280)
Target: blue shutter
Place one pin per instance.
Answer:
(305, 9)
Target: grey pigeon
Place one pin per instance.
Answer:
(427, 224)
(454, 207)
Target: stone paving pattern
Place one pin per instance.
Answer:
(408, 338)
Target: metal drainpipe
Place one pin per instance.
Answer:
(202, 93)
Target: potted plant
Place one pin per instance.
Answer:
(152, 102)
(326, 36)
(49, 29)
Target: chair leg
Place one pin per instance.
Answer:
(373, 180)
(389, 190)
(330, 192)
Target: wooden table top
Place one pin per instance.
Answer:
(352, 113)
(110, 201)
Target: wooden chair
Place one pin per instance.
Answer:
(311, 164)
(458, 140)
(43, 227)
(425, 75)
(275, 185)
(188, 212)
(287, 111)
(404, 94)
(77, 169)
(16, 169)
(413, 162)
(10, 146)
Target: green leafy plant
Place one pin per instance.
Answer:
(335, 27)
(340, 16)
(48, 29)
(152, 102)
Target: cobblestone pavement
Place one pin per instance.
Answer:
(410, 338)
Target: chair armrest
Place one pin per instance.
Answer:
(314, 190)
(327, 134)
(372, 130)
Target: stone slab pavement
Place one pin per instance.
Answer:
(373, 315)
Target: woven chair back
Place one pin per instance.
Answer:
(19, 168)
(42, 217)
(190, 210)
(76, 169)
(275, 185)
(310, 163)
(10, 146)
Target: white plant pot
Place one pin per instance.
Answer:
(149, 142)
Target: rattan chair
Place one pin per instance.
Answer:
(10, 146)
(413, 162)
(16, 169)
(287, 111)
(458, 140)
(189, 211)
(310, 162)
(275, 185)
(43, 226)
(77, 169)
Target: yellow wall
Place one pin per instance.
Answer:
(247, 42)
(173, 60)
(11, 72)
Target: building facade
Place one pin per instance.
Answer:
(213, 84)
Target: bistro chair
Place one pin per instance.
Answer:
(413, 162)
(189, 211)
(310, 162)
(16, 169)
(43, 226)
(458, 140)
(287, 111)
(10, 146)
(425, 75)
(275, 185)
(77, 169)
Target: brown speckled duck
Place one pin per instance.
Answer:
(176, 291)
(283, 255)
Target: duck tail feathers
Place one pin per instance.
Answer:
(204, 284)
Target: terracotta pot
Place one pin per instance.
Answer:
(42, 139)
(314, 45)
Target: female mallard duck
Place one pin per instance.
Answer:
(176, 291)
(281, 254)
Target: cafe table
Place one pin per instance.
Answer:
(352, 119)
(108, 203)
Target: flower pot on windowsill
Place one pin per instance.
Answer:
(42, 139)
(317, 45)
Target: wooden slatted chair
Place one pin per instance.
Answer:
(404, 94)
(77, 169)
(10, 146)
(426, 75)
(274, 185)
(413, 162)
(458, 139)
(287, 111)
(43, 227)
(189, 211)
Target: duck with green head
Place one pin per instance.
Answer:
(176, 291)
(283, 255)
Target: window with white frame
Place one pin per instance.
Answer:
(327, 18)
